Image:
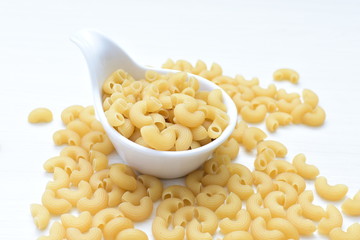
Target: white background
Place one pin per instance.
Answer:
(39, 66)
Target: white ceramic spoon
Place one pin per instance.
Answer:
(103, 57)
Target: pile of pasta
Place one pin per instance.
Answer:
(163, 112)
(110, 198)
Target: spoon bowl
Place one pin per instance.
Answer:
(103, 57)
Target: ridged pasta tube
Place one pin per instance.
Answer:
(241, 222)
(332, 219)
(303, 225)
(56, 206)
(161, 231)
(305, 170)
(286, 74)
(41, 215)
(328, 192)
(260, 231)
(82, 222)
(352, 206)
(276, 119)
(163, 140)
(123, 176)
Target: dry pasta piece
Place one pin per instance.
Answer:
(309, 210)
(183, 216)
(116, 225)
(270, 91)
(328, 192)
(183, 137)
(97, 202)
(75, 234)
(123, 176)
(82, 222)
(310, 98)
(293, 179)
(135, 196)
(279, 149)
(332, 219)
(131, 233)
(241, 180)
(84, 172)
(79, 127)
(71, 113)
(314, 118)
(57, 232)
(276, 119)
(40, 115)
(263, 182)
(286, 74)
(161, 231)
(181, 192)
(97, 141)
(252, 136)
(73, 196)
(239, 130)
(154, 186)
(241, 222)
(100, 179)
(352, 206)
(249, 83)
(282, 94)
(230, 147)
(188, 116)
(254, 205)
(260, 231)
(269, 102)
(303, 225)
(253, 115)
(291, 195)
(56, 206)
(287, 106)
(305, 170)
(41, 215)
(87, 115)
(219, 177)
(352, 233)
(61, 180)
(105, 215)
(98, 160)
(66, 136)
(263, 159)
(230, 207)
(66, 163)
(168, 207)
(238, 235)
(277, 167)
(284, 226)
(275, 201)
(215, 70)
(194, 232)
(139, 212)
(75, 152)
(299, 112)
(163, 140)
(211, 196)
(193, 181)
(215, 99)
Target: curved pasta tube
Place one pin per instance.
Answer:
(270, 91)
(115, 196)
(161, 232)
(97, 126)
(230, 147)
(82, 222)
(167, 207)
(169, 64)
(276, 119)
(269, 102)
(104, 216)
(74, 152)
(263, 182)
(207, 218)
(40, 115)
(263, 159)
(57, 231)
(84, 172)
(310, 210)
(199, 67)
(97, 202)
(98, 160)
(79, 127)
(215, 99)
(132, 233)
(73, 196)
(139, 212)
(193, 231)
(163, 140)
(116, 225)
(310, 98)
(314, 118)
(181, 192)
(247, 93)
(75, 234)
(249, 83)
(97, 141)
(41, 215)
(283, 226)
(123, 176)
(254, 207)
(98, 179)
(238, 235)
(291, 195)
(71, 113)
(115, 119)
(352, 233)
(220, 177)
(299, 112)
(242, 171)
(215, 70)
(135, 196)
(230, 207)
(275, 202)
(66, 163)
(288, 107)
(279, 149)
(352, 206)
(184, 137)
(199, 133)
(56, 206)
(239, 130)
(252, 136)
(211, 196)
(260, 231)
(253, 115)
(238, 100)
(286, 74)
(154, 186)
(224, 80)
(282, 94)
(183, 216)
(304, 170)
(303, 225)
(237, 185)
(332, 219)
(293, 179)
(188, 117)
(61, 180)
(241, 222)
(66, 136)
(277, 167)
(87, 115)
(193, 181)
(328, 192)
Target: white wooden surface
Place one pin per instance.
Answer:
(39, 66)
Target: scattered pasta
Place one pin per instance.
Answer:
(40, 115)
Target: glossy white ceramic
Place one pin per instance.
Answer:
(103, 57)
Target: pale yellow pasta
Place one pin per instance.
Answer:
(284, 226)
(168, 207)
(282, 94)
(57, 232)
(66, 163)
(161, 231)
(105, 215)
(215, 70)
(269, 102)
(249, 83)
(73, 196)
(153, 104)
(79, 127)
(207, 218)
(275, 201)
(330, 192)
(74, 152)
(224, 80)
(114, 118)
(99, 161)
(61, 180)
(183, 137)
(230, 147)
(97, 141)
(119, 105)
(263, 182)
(107, 103)
(219, 177)
(305, 170)
(181, 192)
(241, 222)
(193, 231)
(123, 176)
(277, 167)
(242, 171)
(309, 210)
(254, 205)
(293, 179)
(270, 91)
(142, 142)
(154, 186)
(299, 112)
(97, 126)
(252, 136)
(247, 93)
(253, 115)
(87, 115)
(126, 129)
(286, 74)
(214, 130)
(230, 207)
(352, 206)
(279, 149)
(238, 235)
(199, 133)
(115, 196)
(240, 102)
(314, 118)
(260, 231)
(139, 212)
(40, 115)
(211, 196)
(97, 202)
(131, 234)
(239, 130)
(295, 215)
(287, 106)
(188, 116)
(56, 206)
(163, 140)
(291, 195)
(199, 67)
(264, 158)
(332, 219)
(84, 172)
(137, 114)
(352, 233)
(66, 136)
(310, 98)
(222, 159)
(41, 215)
(135, 196)
(169, 64)
(193, 181)
(71, 113)
(76, 234)
(215, 99)
(276, 119)
(82, 222)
